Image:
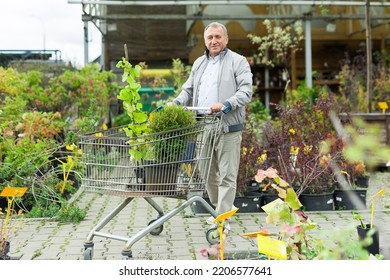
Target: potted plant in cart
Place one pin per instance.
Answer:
(172, 129)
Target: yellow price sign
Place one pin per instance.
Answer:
(13, 191)
(383, 105)
(272, 247)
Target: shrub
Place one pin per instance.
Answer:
(293, 142)
(167, 119)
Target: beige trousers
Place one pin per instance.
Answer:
(221, 181)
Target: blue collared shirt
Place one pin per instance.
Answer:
(208, 87)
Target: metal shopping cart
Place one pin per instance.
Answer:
(111, 169)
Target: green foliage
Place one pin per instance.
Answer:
(363, 144)
(71, 92)
(61, 211)
(358, 217)
(171, 117)
(257, 114)
(70, 213)
(130, 97)
(324, 10)
(341, 244)
(353, 82)
(180, 73)
(83, 125)
(38, 110)
(12, 83)
(285, 214)
(11, 111)
(68, 93)
(303, 92)
(167, 119)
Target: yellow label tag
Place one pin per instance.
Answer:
(13, 191)
(225, 215)
(271, 247)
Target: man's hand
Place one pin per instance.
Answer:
(216, 107)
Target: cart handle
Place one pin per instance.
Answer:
(223, 110)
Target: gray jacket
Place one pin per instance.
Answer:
(234, 87)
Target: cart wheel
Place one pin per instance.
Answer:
(157, 230)
(88, 253)
(127, 255)
(212, 236)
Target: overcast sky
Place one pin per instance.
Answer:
(49, 24)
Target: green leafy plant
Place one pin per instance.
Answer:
(131, 103)
(180, 73)
(341, 244)
(37, 112)
(63, 211)
(286, 215)
(171, 118)
(358, 217)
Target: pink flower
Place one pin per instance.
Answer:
(212, 253)
(269, 173)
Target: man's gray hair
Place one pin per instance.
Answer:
(216, 24)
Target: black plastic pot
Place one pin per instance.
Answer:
(245, 204)
(317, 202)
(248, 204)
(343, 199)
(373, 248)
(268, 197)
(362, 181)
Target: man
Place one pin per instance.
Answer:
(221, 79)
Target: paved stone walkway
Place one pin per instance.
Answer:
(183, 235)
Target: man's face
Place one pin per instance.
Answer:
(215, 40)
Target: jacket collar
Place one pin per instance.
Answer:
(222, 53)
